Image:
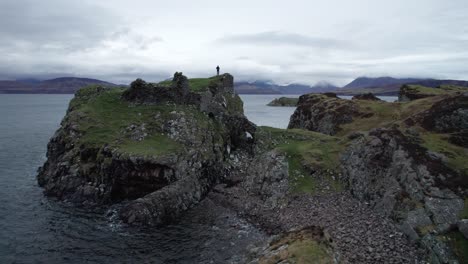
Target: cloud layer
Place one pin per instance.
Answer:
(284, 41)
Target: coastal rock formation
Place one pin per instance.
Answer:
(284, 101)
(404, 160)
(403, 181)
(159, 146)
(324, 113)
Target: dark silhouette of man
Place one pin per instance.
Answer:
(217, 70)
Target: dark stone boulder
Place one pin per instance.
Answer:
(324, 113)
(447, 115)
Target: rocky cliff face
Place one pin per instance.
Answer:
(159, 146)
(323, 113)
(407, 164)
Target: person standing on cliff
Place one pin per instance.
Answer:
(217, 70)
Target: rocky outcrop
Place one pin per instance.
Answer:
(405, 160)
(284, 101)
(447, 115)
(410, 93)
(324, 113)
(366, 96)
(160, 148)
(403, 181)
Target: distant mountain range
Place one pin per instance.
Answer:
(378, 86)
(69, 85)
(391, 86)
(261, 87)
(65, 85)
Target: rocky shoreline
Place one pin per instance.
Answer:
(350, 181)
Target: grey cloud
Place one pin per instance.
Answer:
(65, 24)
(278, 38)
(119, 40)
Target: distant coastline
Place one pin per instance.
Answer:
(383, 86)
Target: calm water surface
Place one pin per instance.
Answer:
(256, 110)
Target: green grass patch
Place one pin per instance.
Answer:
(306, 151)
(153, 145)
(383, 114)
(456, 155)
(309, 251)
(202, 84)
(104, 119)
(426, 90)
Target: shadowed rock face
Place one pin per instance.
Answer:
(323, 113)
(448, 115)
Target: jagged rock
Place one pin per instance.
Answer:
(397, 177)
(450, 114)
(444, 211)
(418, 218)
(323, 113)
(267, 177)
(463, 227)
(366, 96)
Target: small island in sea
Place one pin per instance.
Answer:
(284, 101)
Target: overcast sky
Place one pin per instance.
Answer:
(290, 41)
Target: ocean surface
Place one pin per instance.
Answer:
(37, 229)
